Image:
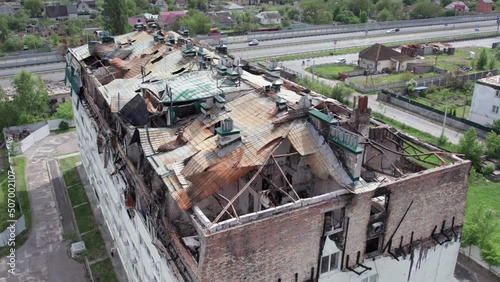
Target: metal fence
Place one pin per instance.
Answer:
(30, 59)
(335, 29)
(441, 80)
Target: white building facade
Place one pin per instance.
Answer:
(485, 106)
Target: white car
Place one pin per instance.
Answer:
(254, 42)
(339, 61)
(392, 30)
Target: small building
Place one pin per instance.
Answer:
(419, 68)
(485, 106)
(6, 9)
(484, 6)
(223, 19)
(60, 12)
(169, 18)
(269, 17)
(86, 5)
(247, 2)
(379, 58)
(181, 3)
(233, 8)
(457, 6)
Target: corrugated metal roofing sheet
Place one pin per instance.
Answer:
(301, 140)
(152, 138)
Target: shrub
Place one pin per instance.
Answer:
(63, 125)
(442, 140)
(488, 169)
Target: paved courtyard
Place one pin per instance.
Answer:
(44, 256)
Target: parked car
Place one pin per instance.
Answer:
(254, 42)
(339, 61)
(392, 30)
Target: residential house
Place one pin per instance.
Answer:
(269, 17)
(181, 3)
(485, 106)
(247, 2)
(223, 19)
(379, 58)
(132, 21)
(6, 9)
(61, 12)
(169, 18)
(232, 7)
(86, 5)
(484, 6)
(457, 6)
(217, 174)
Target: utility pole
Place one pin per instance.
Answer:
(498, 22)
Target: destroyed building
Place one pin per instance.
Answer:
(207, 172)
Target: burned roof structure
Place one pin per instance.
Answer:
(229, 172)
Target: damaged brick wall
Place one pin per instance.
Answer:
(438, 195)
(269, 249)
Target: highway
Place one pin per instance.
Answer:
(296, 45)
(342, 36)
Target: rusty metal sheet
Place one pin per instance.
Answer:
(157, 137)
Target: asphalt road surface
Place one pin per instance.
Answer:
(289, 46)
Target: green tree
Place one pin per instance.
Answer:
(64, 111)
(358, 6)
(497, 52)
(493, 145)
(19, 21)
(490, 251)
(130, 8)
(394, 7)
(426, 10)
(470, 147)
(478, 226)
(341, 93)
(196, 22)
(12, 44)
(33, 41)
(54, 40)
(315, 12)
(492, 64)
(4, 30)
(482, 61)
(384, 15)
(34, 7)
(363, 17)
(7, 111)
(31, 98)
(115, 17)
(495, 126)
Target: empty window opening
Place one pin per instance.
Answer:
(330, 263)
(379, 205)
(372, 247)
(334, 221)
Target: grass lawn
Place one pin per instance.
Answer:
(388, 78)
(103, 271)
(331, 70)
(489, 194)
(84, 218)
(77, 194)
(460, 58)
(457, 99)
(95, 245)
(69, 162)
(24, 200)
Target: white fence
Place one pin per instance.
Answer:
(36, 132)
(10, 232)
(474, 253)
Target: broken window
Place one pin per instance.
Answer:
(334, 221)
(372, 247)
(330, 263)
